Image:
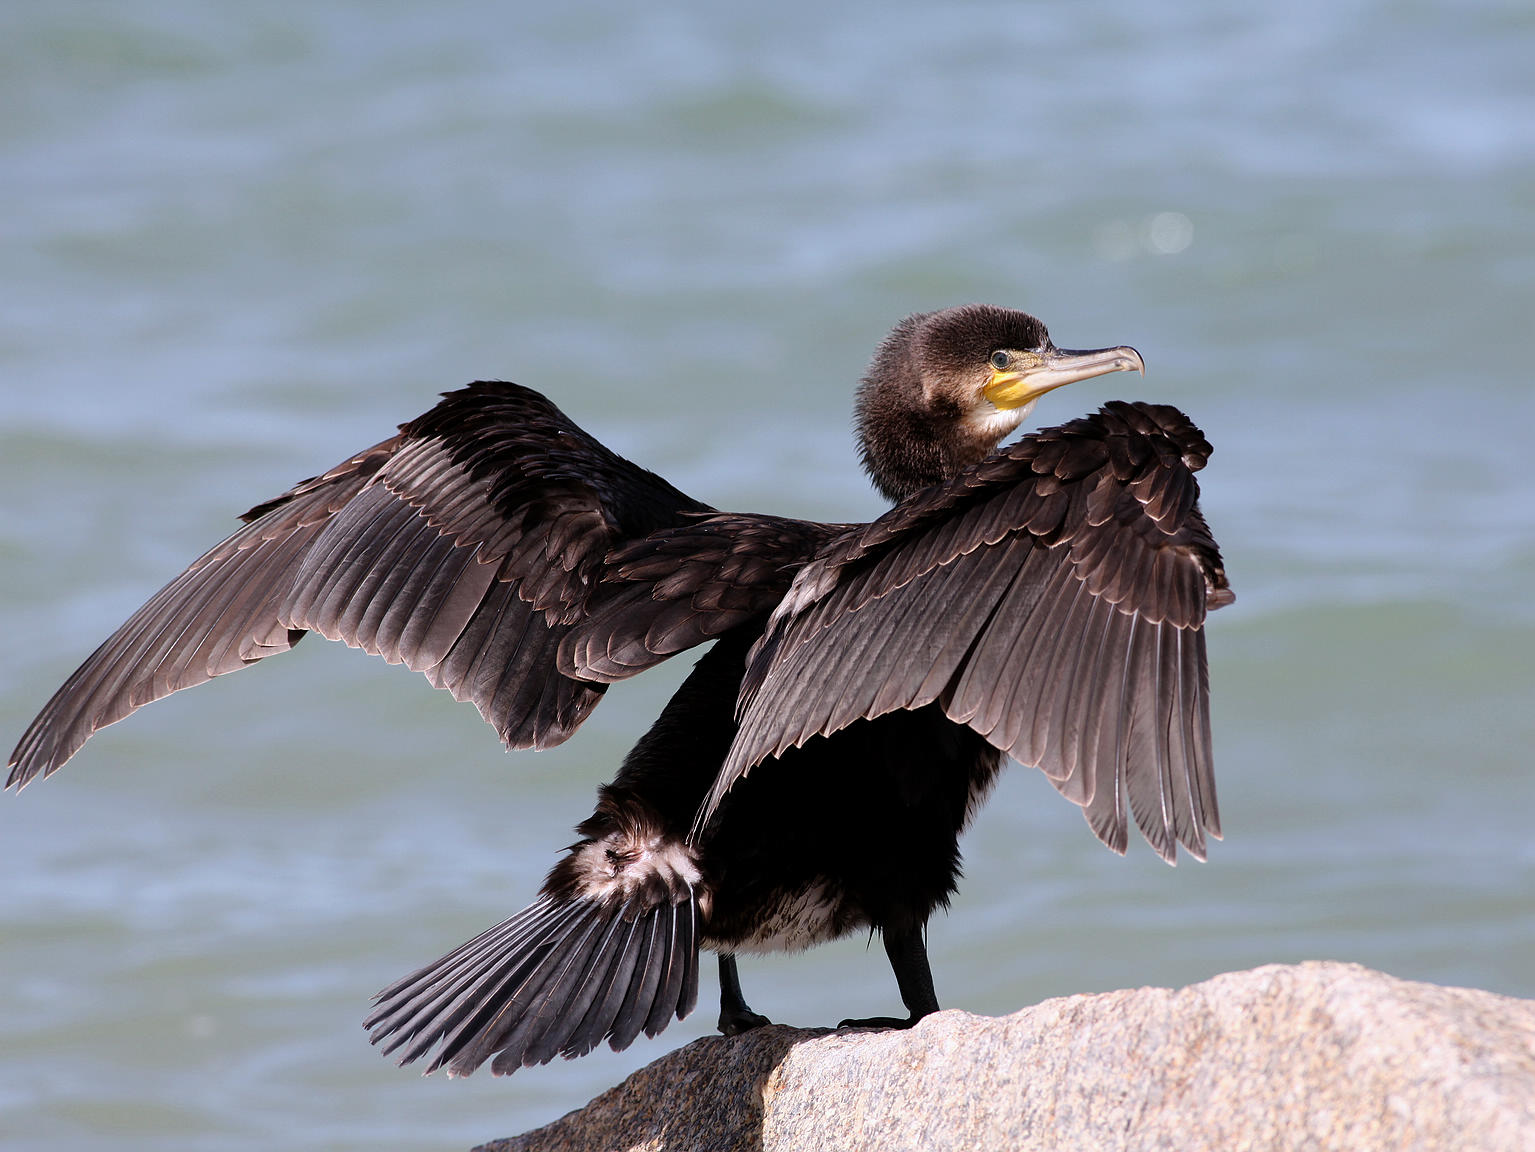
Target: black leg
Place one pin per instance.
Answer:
(735, 1016)
(908, 957)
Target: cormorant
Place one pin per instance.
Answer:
(812, 775)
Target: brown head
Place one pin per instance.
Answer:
(946, 387)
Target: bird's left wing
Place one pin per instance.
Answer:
(1052, 598)
(680, 587)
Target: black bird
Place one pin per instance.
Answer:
(812, 775)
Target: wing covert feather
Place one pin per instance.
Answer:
(1052, 598)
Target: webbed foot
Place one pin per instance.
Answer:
(880, 1022)
(735, 1016)
(734, 1023)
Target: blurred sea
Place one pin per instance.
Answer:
(239, 242)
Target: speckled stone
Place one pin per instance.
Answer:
(1314, 1057)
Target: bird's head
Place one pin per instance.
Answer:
(946, 387)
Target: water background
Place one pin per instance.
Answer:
(239, 242)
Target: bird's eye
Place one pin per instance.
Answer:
(999, 360)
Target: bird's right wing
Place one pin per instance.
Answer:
(1052, 598)
(466, 547)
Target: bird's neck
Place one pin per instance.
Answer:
(905, 451)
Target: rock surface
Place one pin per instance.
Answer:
(1318, 1056)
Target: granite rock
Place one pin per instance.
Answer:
(1318, 1056)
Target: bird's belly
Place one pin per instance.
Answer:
(785, 921)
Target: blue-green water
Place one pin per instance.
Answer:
(238, 242)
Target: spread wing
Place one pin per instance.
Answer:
(467, 547)
(1052, 598)
(680, 587)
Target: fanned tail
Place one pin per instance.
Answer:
(556, 979)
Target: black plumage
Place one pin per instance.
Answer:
(812, 775)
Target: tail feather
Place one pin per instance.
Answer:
(430, 1004)
(680, 984)
(408, 1004)
(573, 988)
(593, 1001)
(478, 1023)
(602, 1017)
(539, 1006)
(634, 1011)
(556, 979)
